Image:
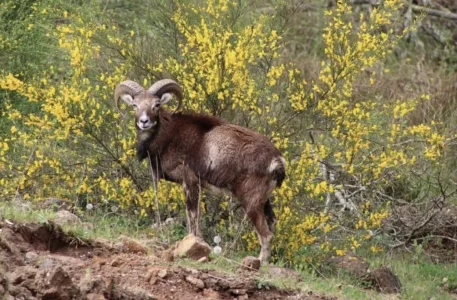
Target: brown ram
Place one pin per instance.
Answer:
(197, 151)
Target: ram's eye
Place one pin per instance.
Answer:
(157, 105)
(135, 106)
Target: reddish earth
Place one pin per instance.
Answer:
(42, 262)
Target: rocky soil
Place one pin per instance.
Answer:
(42, 262)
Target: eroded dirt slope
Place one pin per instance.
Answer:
(42, 262)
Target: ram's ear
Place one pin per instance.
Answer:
(165, 98)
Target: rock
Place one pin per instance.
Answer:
(211, 294)
(9, 242)
(31, 256)
(58, 278)
(20, 292)
(350, 263)
(275, 271)
(88, 226)
(131, 293)
(150, 274)
(203, 259)
(92, 285)
(133, 245)
(192, 247)
(9, 297)
(194, 272)
(162, 273)
(238, 291)
(64, 217)
(195, 281)
(243, 297)
(250, 263)
(47, 264)
(116, 262)
(55, 204)
(384, 280)
(22, 274)
(167, 256)
(95, 297)
(58, 285)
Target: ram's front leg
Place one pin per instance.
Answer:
(192, 192)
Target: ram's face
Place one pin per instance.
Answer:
(147, 103)
(147, 110)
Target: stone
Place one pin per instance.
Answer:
(350, 263)
(163, 273)
(31, 256)
(211, 294)
(93, 296)
(384, 280)
(55, 204)
(275, 271)
(192, 247)
(131, 293)
(64, 217)
(116, 262)
(195, 281)
(22, 274)
(167, 256)
(58, 277)
(203, 259)
(47, 264)
(92, 285)
(133, 246)
(150, 274)
(59, 285)
(87, 225)
(238, 292)
(250, 263)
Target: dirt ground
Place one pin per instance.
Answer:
(42, 262)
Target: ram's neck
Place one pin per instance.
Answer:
(149, 141)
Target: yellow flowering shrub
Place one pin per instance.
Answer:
(342, 150)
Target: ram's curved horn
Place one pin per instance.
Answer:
(167, 86)
(127, 87)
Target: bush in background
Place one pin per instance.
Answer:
(352, 152)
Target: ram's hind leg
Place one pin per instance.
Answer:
(264, 233)
(270, 215)
(254, 194)
(191, 186)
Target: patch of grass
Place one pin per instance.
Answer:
(421, 279)
(24, 212)
(103, 225)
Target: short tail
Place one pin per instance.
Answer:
(278, 169)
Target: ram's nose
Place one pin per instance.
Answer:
(144, 120)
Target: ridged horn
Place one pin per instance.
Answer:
(167, 86)
(127, 87)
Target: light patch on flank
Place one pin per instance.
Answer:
(214, 154)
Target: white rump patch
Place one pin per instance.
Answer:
(276, 162)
